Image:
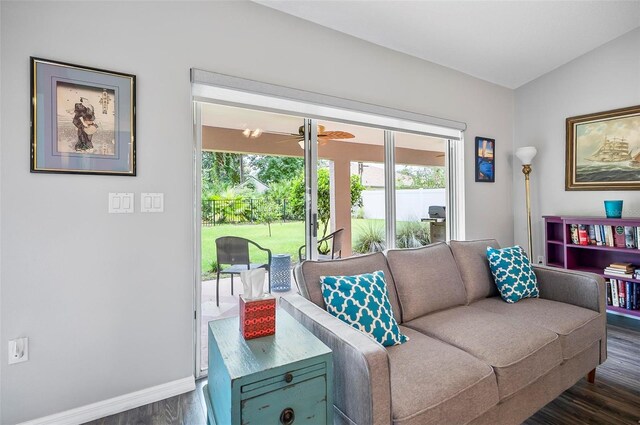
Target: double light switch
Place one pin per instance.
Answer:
(123, 203)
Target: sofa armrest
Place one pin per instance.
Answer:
(582, 289)
(362, 389)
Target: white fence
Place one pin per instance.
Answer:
(411, 204)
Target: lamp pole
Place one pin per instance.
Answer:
(526, 155)
(526, 170)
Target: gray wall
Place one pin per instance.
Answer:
(603, 79)
(106, 300)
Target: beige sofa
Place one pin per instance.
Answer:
(472, 358)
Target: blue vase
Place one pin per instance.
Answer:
(613, 209)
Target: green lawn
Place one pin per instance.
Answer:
(286, 238)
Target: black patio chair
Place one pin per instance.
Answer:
(336, 246)
(234, 251)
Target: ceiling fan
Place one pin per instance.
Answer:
(323, 135)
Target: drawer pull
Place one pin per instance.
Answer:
(287, 416)
(288, 377)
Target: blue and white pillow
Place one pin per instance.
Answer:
(362, 301)
(512, 273)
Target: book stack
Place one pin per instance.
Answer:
(601, 235)
(620, 269)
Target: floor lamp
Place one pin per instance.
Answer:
(526, 155)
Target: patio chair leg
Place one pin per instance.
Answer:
(231, 284)
(218, 289)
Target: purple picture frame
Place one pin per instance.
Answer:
(82, 120)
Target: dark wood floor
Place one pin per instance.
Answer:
(613, 399)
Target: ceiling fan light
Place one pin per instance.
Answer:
(246, 132)
(256, 133)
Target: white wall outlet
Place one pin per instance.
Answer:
(152, 202)
(18, 350)
(121, 203)
(540, 259)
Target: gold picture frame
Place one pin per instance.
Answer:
(603, 150)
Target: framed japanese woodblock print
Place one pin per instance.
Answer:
(485, 160)
(82, 119)
(603, 150)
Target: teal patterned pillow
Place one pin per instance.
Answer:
(362, 302)
(512, 273)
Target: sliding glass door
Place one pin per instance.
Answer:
(300, 181)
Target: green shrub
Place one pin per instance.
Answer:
(213, 266)
(412, 234)
(370, 239)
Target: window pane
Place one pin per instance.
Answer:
(420, 190)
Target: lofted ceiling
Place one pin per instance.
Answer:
(504, 42)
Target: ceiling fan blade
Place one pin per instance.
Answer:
(336, 135)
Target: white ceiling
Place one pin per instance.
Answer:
(505, 42)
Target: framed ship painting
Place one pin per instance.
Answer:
(485, 160)
(82, 120)
(603, 151)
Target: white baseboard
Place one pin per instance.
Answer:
(118, 404)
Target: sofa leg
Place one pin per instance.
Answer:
(591, 376)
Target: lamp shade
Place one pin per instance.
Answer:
(526, 154)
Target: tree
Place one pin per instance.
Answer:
(220, 171)
(296, 199)
(272, 169)
(421, 178)
(269, 212)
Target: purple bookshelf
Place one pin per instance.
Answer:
(561, 252)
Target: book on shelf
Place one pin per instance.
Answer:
(574, 234)
(621, 293)
(609, 293)
(591, 231)
(608, 235)
(597, 231)
(615, 300)
(630, 237)
(621, 266)
(618, 237)
(583, 237)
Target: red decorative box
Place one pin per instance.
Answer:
(257, 317)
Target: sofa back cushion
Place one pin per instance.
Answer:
(471, 257)
(427, 279)
(309, 272)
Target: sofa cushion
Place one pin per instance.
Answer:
(362, 302)
(436, 383)
(577, 327)
(427, 279)
(519, 353)
(471, 257)
(312, 270)
(513, 273)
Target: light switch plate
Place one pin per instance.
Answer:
(121, 203)
(18, 350)
(152, 202)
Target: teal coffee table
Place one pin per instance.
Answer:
(284, 378)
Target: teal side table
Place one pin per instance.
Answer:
(284, 378)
